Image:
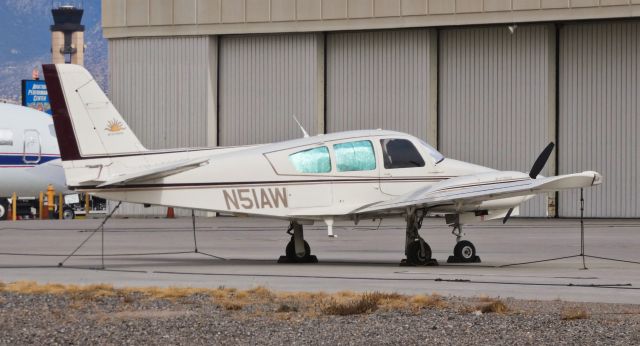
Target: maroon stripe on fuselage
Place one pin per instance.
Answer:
(61, 121)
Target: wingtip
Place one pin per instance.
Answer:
(597, 177)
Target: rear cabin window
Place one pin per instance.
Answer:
(52, 131)
(355, 156)
(6, 137)
(400, 153)
(314, 160)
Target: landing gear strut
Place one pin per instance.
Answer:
(417, 250)
(464, 251)
(297, 250)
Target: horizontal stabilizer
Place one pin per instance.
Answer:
(156, 172)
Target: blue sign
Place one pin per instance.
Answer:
(34, 95)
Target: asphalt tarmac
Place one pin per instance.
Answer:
(242, 253)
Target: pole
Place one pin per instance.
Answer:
(41, 206)
(584, 265)
(60, 206)
(193, 223)
(14, 207)
(86, 205)
(51, 204)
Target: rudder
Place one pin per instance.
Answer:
(86, 122)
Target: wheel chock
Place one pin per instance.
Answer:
(308, 259)
(431, 263)
(454, 259)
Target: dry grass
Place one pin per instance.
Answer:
(363, 304)
(171, 292)
(307, 304)
(283, 307)
(434, 301)
(485, 299)
(260, 292)
(75, 291)
(351, 303)
(488, 305)
(495, 306)
(574, 314)
(231, 306)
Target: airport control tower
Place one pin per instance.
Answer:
(67, 34)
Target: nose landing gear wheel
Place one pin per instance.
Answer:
(464, 252)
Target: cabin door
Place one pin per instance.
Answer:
(32, 148)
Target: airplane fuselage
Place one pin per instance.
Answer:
(29, 155)
(343, 172)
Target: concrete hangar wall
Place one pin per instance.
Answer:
(227, 72)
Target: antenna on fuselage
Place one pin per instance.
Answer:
(304, 132)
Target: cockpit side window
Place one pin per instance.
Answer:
(314, 160)
(400, 153)
(355, 156)
(435, 155)
(6, 137)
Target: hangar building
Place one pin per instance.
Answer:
(486, 81)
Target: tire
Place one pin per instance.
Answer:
(290, 251)
(465, 251)
(68, 214)
(4, 210)
(414, 253)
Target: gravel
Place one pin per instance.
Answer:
(56, 319)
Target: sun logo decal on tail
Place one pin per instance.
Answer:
(114, 126)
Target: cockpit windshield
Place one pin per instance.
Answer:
(437, 157)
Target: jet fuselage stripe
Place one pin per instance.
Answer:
(18, 160)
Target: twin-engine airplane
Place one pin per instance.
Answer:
(339, 176)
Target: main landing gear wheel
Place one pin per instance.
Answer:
(297, 250)
(418, 252)
(291, 254)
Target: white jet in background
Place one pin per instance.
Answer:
(29, 157)
(339, 176)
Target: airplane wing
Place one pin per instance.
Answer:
(450, 193)
(156, 172)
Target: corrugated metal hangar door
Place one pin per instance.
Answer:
(165, 90)
(599, 109)
(496, 98)
(264, 81)
(382, 79)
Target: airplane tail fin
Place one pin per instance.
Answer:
(86, 122)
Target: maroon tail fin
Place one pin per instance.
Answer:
(61, 121)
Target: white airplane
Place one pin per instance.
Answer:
(29, 156)
(339, 176)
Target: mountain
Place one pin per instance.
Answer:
(26, 42)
